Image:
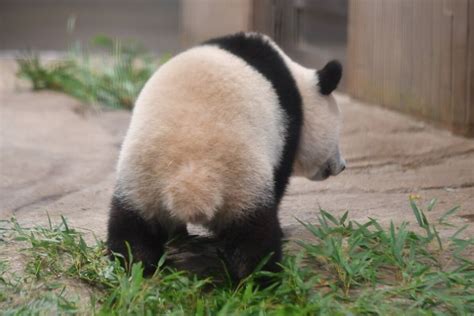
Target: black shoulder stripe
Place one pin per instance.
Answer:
(260, 54)
(329, 77)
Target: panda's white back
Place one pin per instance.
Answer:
(206, 134)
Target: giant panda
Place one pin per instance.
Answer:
(215, 135)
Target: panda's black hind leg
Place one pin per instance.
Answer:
(180, 231)
(247, 241)
(146, 239)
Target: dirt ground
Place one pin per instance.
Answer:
(58, 158)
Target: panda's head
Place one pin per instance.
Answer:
(318, 155)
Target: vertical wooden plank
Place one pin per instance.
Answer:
(406, 69)
(470, 67)
(427, 66)
(436, 47)
(417, 51)
(262, 16)
(445, 76)
(384, 26)
(415, 36)
(423, 58)
(374, 87)
(370, 29)
(356, 37)
(361, 54)
(459, 63)
(352, 33)
(392, 54)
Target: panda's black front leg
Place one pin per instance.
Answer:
(247, 241)
(146, 239)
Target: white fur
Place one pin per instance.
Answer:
(205, 135)
(319, 140)
(207, 132)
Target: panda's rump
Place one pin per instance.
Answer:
(194, 181)
(199, 151)
(193, 194)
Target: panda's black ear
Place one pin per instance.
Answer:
(329, 77)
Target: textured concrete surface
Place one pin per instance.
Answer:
(58, 157)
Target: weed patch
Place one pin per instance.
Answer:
(112, 78)
(347, 268)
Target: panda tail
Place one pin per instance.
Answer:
(194, 194)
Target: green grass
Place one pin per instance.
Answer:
(347, 268)
(113, 77)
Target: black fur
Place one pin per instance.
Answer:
(248, 241)
(146, 239)
(329, 77)
(260, 54)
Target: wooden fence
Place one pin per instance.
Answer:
(415, 56)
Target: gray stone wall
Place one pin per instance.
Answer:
(42, 24)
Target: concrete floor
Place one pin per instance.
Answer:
(58, 157)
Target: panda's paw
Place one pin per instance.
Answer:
(241, 264)
(181, 231)
(148, 258)
(236, 268)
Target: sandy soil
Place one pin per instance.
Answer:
(58, 157)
